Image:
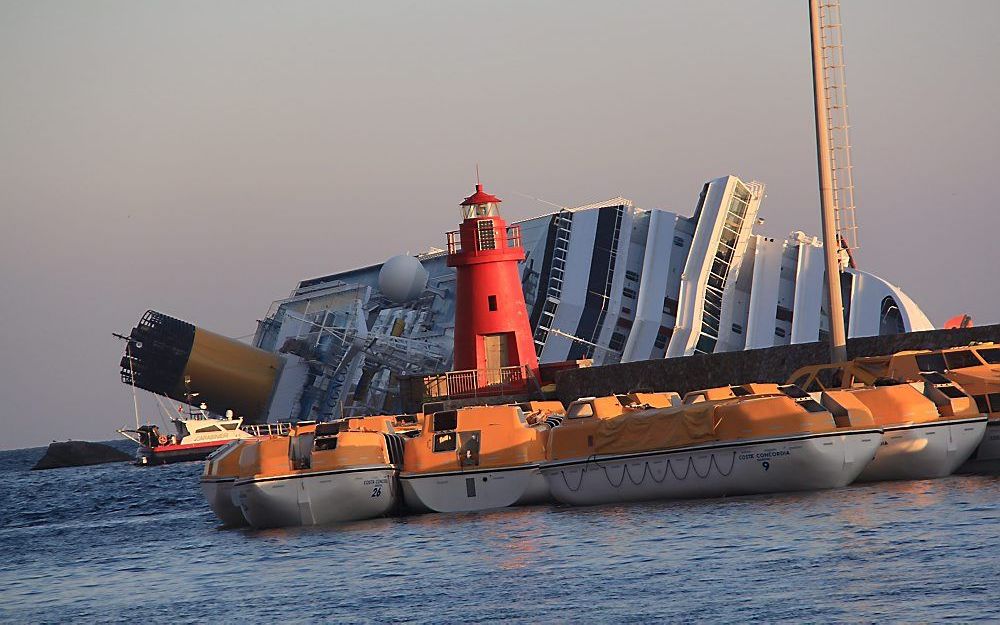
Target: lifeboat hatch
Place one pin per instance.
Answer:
(470, 487)
(468, 448)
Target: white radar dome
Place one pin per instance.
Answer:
(402, 278)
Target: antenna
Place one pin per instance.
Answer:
(538, 199)
(477, 174)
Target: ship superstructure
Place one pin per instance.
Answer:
(608, 281)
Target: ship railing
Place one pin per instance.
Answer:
(477, 383)
(268, 429)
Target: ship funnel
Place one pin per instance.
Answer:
(173, 358)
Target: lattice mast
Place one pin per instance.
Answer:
(838, 128)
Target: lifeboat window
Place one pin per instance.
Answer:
(961, 359)
(935, 378)
(445, 442)
(468, 454)
(952, 392)
(327, 429)
(210, 428)
(492, 301)
(447, 420)
(739, 391)
(812, 405)
(577, 411)
(982, 404)
(230, 426)
(931, 362)
(994, 401)
(991, 356)
(300, 451)
(325, 443)
(793, 391)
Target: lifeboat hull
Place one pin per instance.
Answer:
(221, 497)
(986, 458)
(318, 498)
(468, 491)
(924, 451)
(807, 462)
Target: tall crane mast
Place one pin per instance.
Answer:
(838, 129)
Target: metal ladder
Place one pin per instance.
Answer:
(838, 129)
(564, 225)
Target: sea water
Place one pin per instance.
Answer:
(119, 543)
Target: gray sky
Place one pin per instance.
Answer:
(199, 158)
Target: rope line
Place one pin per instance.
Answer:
(646, 470)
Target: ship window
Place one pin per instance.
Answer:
(631, 275)
(629, 293)
(492, 300)
(780, 332)
(662, 337)
(994, 401)
(951, 391)
(783, 314)
(705, 345)
(982, 404)
(991, 356)
(678, 241)
(445, 442)
(931, 362)
(617, 341)
(583, 409)
(737, 328)
(670, 306)
(961, 359)
(446, 420)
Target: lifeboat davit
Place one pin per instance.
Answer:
(621, 448)
(478, 458)
(322, 473)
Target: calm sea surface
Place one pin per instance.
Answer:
(122, 543)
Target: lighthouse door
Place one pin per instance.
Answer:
(497, 354)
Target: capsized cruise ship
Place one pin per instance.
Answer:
(608, 281)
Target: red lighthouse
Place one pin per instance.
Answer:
(492, 332)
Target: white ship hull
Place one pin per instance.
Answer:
(986, 458)
(318, 498)
(221, 498)
(468, 491)
(924, 451)
(795, 463)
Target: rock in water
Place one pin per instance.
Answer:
(78, 454)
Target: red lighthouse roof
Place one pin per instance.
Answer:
(480, 197)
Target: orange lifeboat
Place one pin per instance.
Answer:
(722, 442)
(322, 473)
(479, 457)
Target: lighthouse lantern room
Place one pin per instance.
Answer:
(492, 331)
